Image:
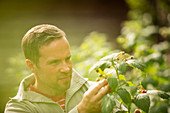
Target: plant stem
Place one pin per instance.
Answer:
(129, 109)
(122, 84)
(117, 73)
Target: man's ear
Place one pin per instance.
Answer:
(32, 67)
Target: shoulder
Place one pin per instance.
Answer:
(16, 106)
(79, 79)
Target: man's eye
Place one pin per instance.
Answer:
(68, 59)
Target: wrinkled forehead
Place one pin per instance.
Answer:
(58, 48)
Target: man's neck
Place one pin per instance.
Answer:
(48, 90)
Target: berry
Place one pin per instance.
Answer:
(117, 58)
(144, 91)
(108, 66)
(123, 53)
(104, 76)
(139, 91)
(131, 57)
(133, 100)
(98, 79)
(137, 111)
(100, 75)
(126, 59)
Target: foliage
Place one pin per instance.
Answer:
(142, 101)
(94, 47)
(120, 86)
(17, 67)
(108, 103)
(146, 35)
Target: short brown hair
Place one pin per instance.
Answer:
(37, 37)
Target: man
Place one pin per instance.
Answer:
(54, 87)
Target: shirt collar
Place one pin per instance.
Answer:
(23, 93)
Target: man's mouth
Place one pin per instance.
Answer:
(64, 78)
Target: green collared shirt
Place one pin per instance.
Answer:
(27, 101)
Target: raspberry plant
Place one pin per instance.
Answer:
(125, 91)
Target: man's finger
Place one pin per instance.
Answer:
(100, 101)
(99, 86)
(95, 89)
(103, 92)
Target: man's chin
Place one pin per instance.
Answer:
(66, 86)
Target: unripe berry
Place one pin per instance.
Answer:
(100, 75)
(133, 100)
(117, 58)
(104, 76)
(131, 57)
(98, 79)
(137, 111)
(139, 91)
(123, 53)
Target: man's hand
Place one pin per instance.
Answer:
(93, 97)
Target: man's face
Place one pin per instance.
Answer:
(55, 66)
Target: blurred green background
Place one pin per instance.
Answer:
(76, 17)
(94, 28)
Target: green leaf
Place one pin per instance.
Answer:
(159, 93)
(108, 103)
(161, 108)
(100, 71)
(136, 64)
(163, 95)
(165, 86)
(125, 96)
(149, 80)
(100, 64)
(154, 57)
(122, 77)
(113, 83)
(131, 84)
(110, 58)
(133, 90)
(142, 101)
(122, 67)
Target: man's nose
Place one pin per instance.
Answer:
(65, 67)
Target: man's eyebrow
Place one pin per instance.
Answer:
(68, 57)
(57, 60)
